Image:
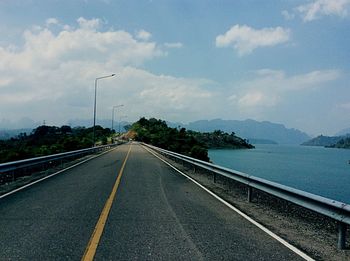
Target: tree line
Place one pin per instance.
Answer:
(46, 140)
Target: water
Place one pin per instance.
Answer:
(318, 170)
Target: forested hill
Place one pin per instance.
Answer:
(344, 143)
(330, 142)
(220, 140)
(322, 141)
(191, 143)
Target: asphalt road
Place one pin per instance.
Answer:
(157, 214)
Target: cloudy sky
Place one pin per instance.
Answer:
(185, 60)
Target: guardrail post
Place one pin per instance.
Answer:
(249, 194)
(214, 177)
(341, 235)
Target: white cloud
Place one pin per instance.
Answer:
(143, 35)
(5, 81)
(318, 8)
(314, 79)
(44, 49)
(287, 15)
(269, 87)
(173, 45)
(256, 98)
(51, 76)
(301, 101)
(162, 96)
(91, 24)
(245, 39)
(345, 106)
(52, 21)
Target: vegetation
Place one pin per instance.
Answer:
(322, 141)
(8, 134)
(220, 140)
(330, 142)
(191, 143)
(157, 133)
(46, 140)
(342, 144)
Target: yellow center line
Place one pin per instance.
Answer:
(96, 235)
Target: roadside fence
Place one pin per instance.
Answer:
(333, 209)
(10, 171)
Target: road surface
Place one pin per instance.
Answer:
(156, 214)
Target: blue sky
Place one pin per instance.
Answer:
(280, 61)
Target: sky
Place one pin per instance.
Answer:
(281, 61)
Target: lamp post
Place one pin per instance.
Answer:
(114, 107)
(98, 78)
(120, 119)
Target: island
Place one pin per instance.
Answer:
(342, 144)
(191, 143)
(322, 140)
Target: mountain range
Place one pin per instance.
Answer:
(266, 132)
(103, 122)
(256, 132)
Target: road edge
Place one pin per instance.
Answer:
(245, 216)
(53, 174)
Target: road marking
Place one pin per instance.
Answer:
(263, 228)
(96, 235)
(53, 174)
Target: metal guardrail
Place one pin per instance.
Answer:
(13, 166)
(333, 209)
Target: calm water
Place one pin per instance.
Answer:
(318, 170)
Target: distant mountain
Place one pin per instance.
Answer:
(8, 134)
(322, 141)
(104, 123)
(251, 130)
(23, 123)
(343, 132)
(89, 122)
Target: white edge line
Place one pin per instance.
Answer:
(266, 230)
(53, 174)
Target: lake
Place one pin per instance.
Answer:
(318, 170)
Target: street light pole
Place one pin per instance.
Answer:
(98, 78)
(114, 107)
